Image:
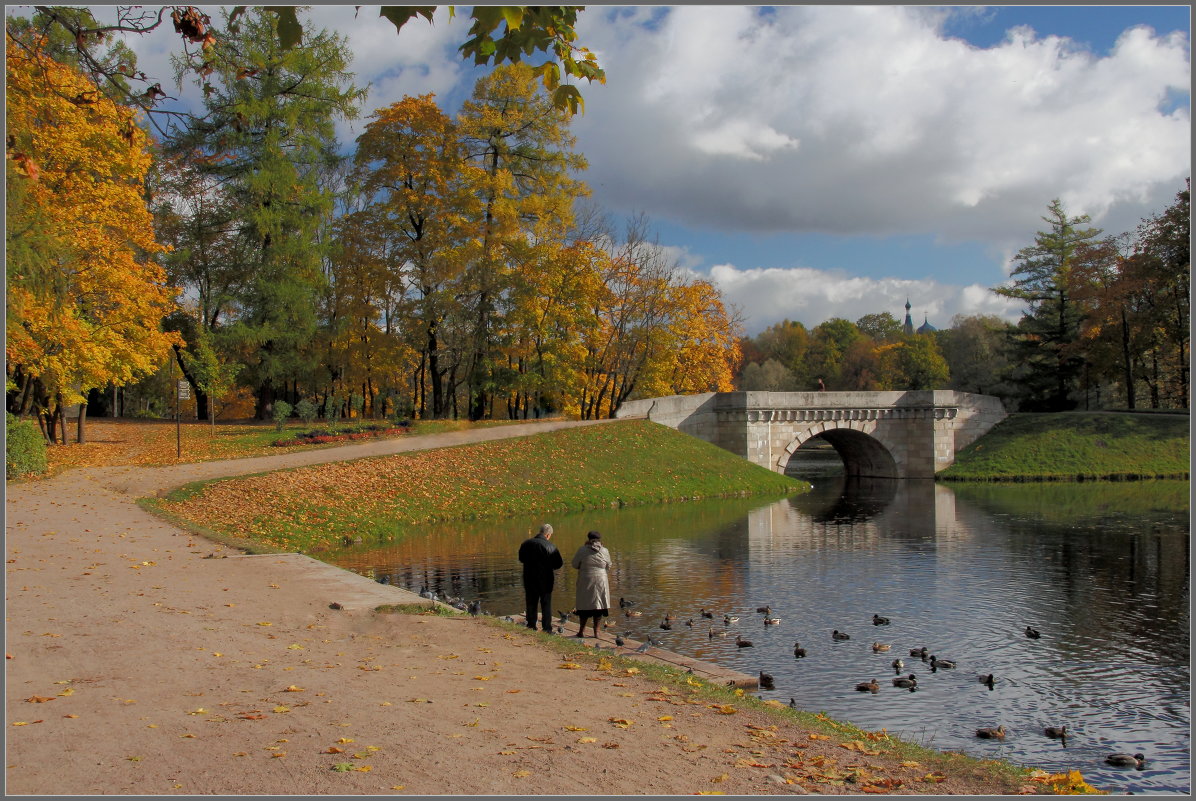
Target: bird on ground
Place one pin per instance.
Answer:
(742, 643)
(766, 681)
(988, 680)
(666, 625)
(919, 652)
(868, 686)
(1033, 633)
(771, 621)
(706, 613)
(880, 647)
(644, 646)
(508, 618)
(632, 613)
(1055, 732)
(728, 620)
(766, 609)
(798, 651)
(564, 616)
(945, 664)
(793, 703)
(560, 629)
(840, 635)
(897, 665)
(619, 640)
(475, 607)
(624, 603)
(906, 681)
(992, 734)
(1126, 760)
(877, 620)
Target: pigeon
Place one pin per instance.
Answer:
(643, 649)
(619, 640)
(475, 607)
(564, 616)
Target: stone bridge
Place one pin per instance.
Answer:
(877, 434)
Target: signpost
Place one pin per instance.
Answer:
(184, 393)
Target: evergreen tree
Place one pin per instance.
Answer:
(1049, 368)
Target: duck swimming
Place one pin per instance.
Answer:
(798, 651)
(945, 664)
(1032, 633)
(877, 620)
(880, 648)
(706, 613)
(633, 613)
(868, 686)
(906, 681)
(742, 643)
(1055, 732)
(1126, 760)
(897, 665)
(988, 680)
(765, 609)
(992, 734)
(771, 621)
(840, 635)
(624, 603)
(728, 620)
(919, 652)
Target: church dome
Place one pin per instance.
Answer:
(926, 327)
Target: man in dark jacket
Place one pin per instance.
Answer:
(539, 557)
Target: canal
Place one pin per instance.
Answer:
(1101, 570)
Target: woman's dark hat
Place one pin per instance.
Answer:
(594, 535)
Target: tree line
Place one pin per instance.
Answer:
(1107, 324)
(448, 267)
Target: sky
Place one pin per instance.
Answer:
(833, 161)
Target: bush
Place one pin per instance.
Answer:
(282, 410)
(24, 449)
(307, 411)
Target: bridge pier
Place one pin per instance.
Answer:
(878, 434)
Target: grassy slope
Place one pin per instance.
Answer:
(611, 465)
(1077, 445)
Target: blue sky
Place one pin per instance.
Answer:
(820, 161)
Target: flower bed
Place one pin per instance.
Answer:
(323, 437)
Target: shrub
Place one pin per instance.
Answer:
(307, 411)
(24, 448)
(282, 410)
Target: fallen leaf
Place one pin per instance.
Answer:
(506, 753)
(587, 739)
(280, 709)
(67, 691)
(332, 749)
(70, 716)
(294, 689)
(721, 778)
(482, 678)
(40, 699)
(569, 666)
(520, 774)
(576, 728)
(911, 764)
(819, 737)
(294, 647)
(344, 740)
(187, 736)
(265, 623)
(665, 717)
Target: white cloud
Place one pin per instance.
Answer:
(769, 295)
(901, 129)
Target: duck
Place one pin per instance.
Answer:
(765, 609)
(992, 734)
(710, 634)
(742, 643)
(1126, 760)
(798, 651)
(690, 622)
(906, 681)
(840, 635)
(706, 613)
(625, 604)
(633, 613)
(1032, 633)
(877, 620)
(1055, 732)
(897, 665)
(880, 647)
(669, 616)
(945, 664)
(868, 686)
(729, 619)
(987, 680)
(766, 681)
(771, 621)
(666, 625)
(919, 652)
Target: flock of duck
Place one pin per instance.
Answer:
(907, 682)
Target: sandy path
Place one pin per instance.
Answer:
(137, 665)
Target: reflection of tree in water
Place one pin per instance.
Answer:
(846, 499)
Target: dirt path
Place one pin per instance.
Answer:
(135, 664)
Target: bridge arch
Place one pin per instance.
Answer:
(863, 454)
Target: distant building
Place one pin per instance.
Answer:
(926, 327)
(908, 326)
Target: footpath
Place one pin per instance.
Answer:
(140, 659)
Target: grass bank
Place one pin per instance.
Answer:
(1077, 446)
(627, 463)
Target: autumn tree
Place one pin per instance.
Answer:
(84, 294)
(976, 350)
(267, 139)
(1043, 277)
(829, 343)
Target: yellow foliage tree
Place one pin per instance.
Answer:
(84, 295)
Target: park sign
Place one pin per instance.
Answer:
(184, 389)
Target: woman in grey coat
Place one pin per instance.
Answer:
(593, 562)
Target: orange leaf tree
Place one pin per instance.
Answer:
(84, 294)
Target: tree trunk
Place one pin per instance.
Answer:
(1126, 360)
(80, 436)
